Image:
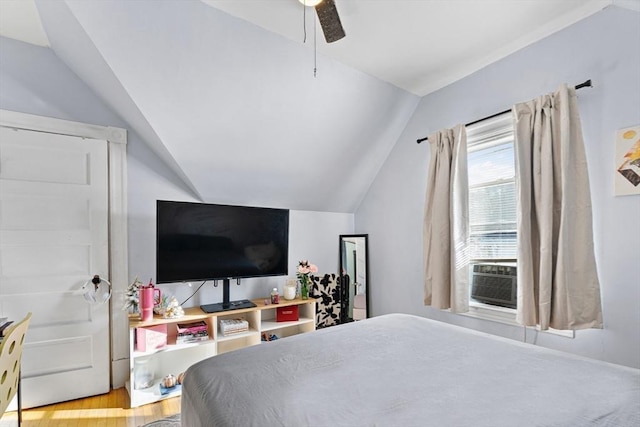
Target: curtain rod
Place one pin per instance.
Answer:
(580, 86)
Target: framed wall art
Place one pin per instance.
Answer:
(627, 173)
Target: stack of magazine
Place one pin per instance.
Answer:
(192, 332)
(233, 326)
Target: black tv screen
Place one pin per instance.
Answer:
(199, 241)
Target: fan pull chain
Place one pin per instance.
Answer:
(315, 37)
(304, 22)
(315, 49)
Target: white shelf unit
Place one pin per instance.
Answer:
(176, 358)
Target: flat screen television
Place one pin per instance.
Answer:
(201, 241)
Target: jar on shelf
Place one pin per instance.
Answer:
(143, 375)
(290, 290)
(275, 296)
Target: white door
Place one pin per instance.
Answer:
(54, 237)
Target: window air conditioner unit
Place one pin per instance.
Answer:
(495, 284)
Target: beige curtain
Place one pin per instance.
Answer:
(557, 278)
(446, 219)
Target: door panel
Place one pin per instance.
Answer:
(24, 161)
(54, 309)
(24, 213)
(53, 238)
(64, 355)
(54, 260)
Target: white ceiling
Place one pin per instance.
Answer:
(420, 45)
(19, 20)
(417, 45)
(223, 90)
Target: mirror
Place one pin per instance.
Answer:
(354, 271)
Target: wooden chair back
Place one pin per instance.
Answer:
(10, 358)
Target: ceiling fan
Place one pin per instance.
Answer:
(328, 17)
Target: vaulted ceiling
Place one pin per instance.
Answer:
(225, 92)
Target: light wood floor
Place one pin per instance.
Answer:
(106, 410)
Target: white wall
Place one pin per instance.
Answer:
(604, 47)
(215, 89)
(33, 80)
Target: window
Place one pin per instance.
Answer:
(492, 221)
(492, 213)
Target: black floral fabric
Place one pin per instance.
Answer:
(326, 291)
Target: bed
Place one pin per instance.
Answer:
(403, 370)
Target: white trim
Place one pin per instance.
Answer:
(492, 313)
(497, 127)
(13, 119)
(560, 332)
(506, 316)
(118, 255)
(628, 4)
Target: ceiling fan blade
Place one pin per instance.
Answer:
(330, 21)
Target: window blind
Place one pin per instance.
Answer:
(492, 198)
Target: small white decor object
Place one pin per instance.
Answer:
(173, 309)
(290, 289)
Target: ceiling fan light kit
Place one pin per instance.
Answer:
(330, 21)
(328, 17)
(310, 3)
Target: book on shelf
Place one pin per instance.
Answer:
(187, 337)
(192, 327)
(188, 340)
(233, 326)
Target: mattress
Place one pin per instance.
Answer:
(402, 370)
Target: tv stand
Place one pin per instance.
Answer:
(226, 305)
(175, 358)
(222, 306)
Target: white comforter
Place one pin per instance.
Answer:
(401, 370)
